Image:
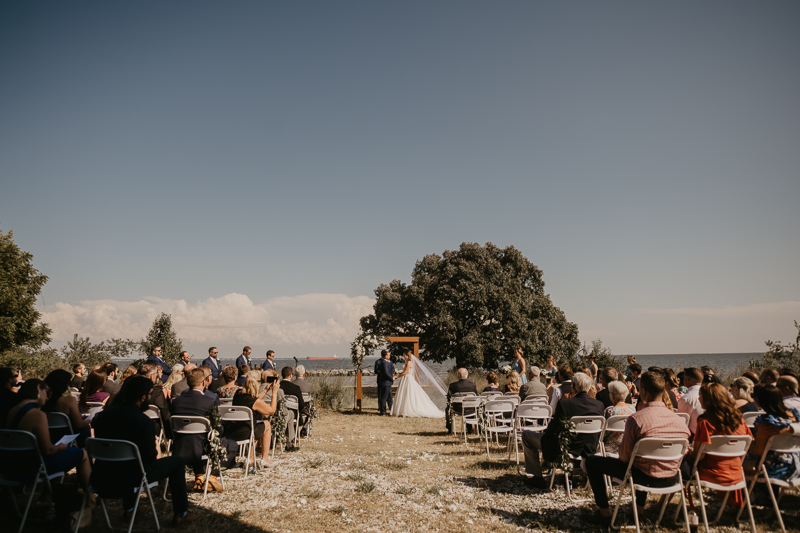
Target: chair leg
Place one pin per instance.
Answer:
(619, 501)
(552, 477)
(721, 508)
(105, 512)
(774, 501)
(685, 510)
(635, 510)
(14, 500)
(749, 511)
(28, 506)
(749, 492)
(703, 500)
(136, 506)
(663, 509)
(152, 504)
(83, 508)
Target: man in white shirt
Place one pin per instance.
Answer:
(690, 401)
(788, 387)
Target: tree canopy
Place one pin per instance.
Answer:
(20, 285)
(161, 334)
(475, 305)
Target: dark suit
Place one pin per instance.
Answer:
(214, 364)
(268, 365)
(242, 360)
(111, 387)
(190, 447)
(158, 399)
(179, 387)
(384, 374)
(462, 385)
(217, 383)
(156, 360)
(605, 397)
(77, 382)
(290, 388)
(531, 388)
(112, 479)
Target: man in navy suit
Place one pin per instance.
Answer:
(384, 374)
(212, 362)
(155, 358)
(290, 389)
(269, 364)
(184, 359)
(244, 359)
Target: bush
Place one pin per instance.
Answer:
(33, 363)
(779, 356)
(329, 391)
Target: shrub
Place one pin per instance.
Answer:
(329, 391)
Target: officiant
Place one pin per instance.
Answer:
(384, 375)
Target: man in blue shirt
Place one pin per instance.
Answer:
(155, 358)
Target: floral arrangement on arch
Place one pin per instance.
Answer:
(363, 344)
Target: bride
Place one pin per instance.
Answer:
(411, 399)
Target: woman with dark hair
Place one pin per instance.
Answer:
(672, 383)
(61, 401)
(229, 389)
(721, 417)
(28, 416)
(491, 383)
(777, 419)
(93, 390)
(130, 371)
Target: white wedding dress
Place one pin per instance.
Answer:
(411, 399)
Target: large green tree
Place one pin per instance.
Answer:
(20, 285)
(162, 334)
(475, 305)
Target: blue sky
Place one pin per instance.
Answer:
(257, 169)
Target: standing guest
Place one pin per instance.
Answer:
(60, 402)
(112, 371)
(250, 397)
(777, 420)
(534, 386)
(184, 358)
(130, 371)
(182, 385)
(631, 362)
(80, 372)
(155, 359)
(635, 374)
(742, 392)
(519, 366)
(213, 363)
(460, 386)
(720, 417)
(28, 416)
(384, 376)
(228, 390)
(269, 364)
(158, 398)
(654, 420)
(617, 392)
(306, 386)
(93, 390)
(514, 383)
(175, 377)
(125, 420)
(690, 402)
(788, 386)
(290, 389)
(492, 383)
(564, 390)
(768, 377)
(244, 359)
(593, 370)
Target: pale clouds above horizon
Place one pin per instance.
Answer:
(233, 319)
(768, 308)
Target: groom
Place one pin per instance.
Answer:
(384, 373)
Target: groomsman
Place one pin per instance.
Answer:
(244, 359)
(269, 363)
(384, 374)
(155, 358)
(184, 359)
(212, 362)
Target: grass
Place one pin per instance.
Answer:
(365, 487)
(395, 465)
(355, 476)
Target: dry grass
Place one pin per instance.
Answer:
(347, 477)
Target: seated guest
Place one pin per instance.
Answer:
(777, 419)
(768, 376)
(300, 380)
(636, 373)
(669, 398)
(228, 390)
(742, 392)
(60, 402)
(174, 377)
(617, 392)
(243, 370)
(460, 386)
(787, 384)
(111, 371)
(720, 417)
(207, 385)
(217, 379)
(290, 389)
(690, 401)
(587, 370)
(194, 402)
(93, 390)
(8, 398)
(672, 385)
(654, 419)
(128, 372)
(28, 416)
(534, 386)
(491, 383)
(751, 376)
(249, 396)
(514, 382)
(582, 445)
(79, 371)
(607, 376)
(183, 384)
(158, 398)
(124, 420)
(564, 390)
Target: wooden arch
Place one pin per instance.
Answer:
(414, 340)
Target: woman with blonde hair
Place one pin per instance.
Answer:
(514, 383)
(742, 392)
(249, 396)
(130, 371)
(174, 377)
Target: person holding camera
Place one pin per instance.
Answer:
(250, 397)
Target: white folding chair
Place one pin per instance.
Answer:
(655, 450)
(724, 446)
(784, 443)
(293, 404)
(528, 416)
(115, 451)
(195, 425)
(491, 393)
(750, 418)
(686, 417)
(463, 394)
(499, 419)
(470, 418)
(455, 401)
(154, 414)
(236, 413)
(614, 424)
(511, 393)
(584, 425)
(61, 422)
(17, 441)
(308, 400)
(225, 401)
(536, 400)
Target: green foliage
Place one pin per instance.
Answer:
(121, 348)
(605, 358)
(32, 363)
(779, 355)
(475, 305)
(161, 334)
(330, 392)
(20, 285)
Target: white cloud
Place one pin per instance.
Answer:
(306, 320)
(732, 311)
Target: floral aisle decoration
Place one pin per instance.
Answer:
(312, 415)
(215, 450)
(363, 344)
(278, 421)
(565, 439)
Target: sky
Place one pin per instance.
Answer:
(257, 169)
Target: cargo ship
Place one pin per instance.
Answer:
(322, 358)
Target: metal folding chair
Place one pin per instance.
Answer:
(293, 404)
(195, 425)
(235, 413)
(59, 422)
(686, 417)
(750, 418)
(469, 418)
(24, 441)
(584, 425)
(528, 416)
(499, 419)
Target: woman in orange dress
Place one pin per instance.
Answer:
(721, 417)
